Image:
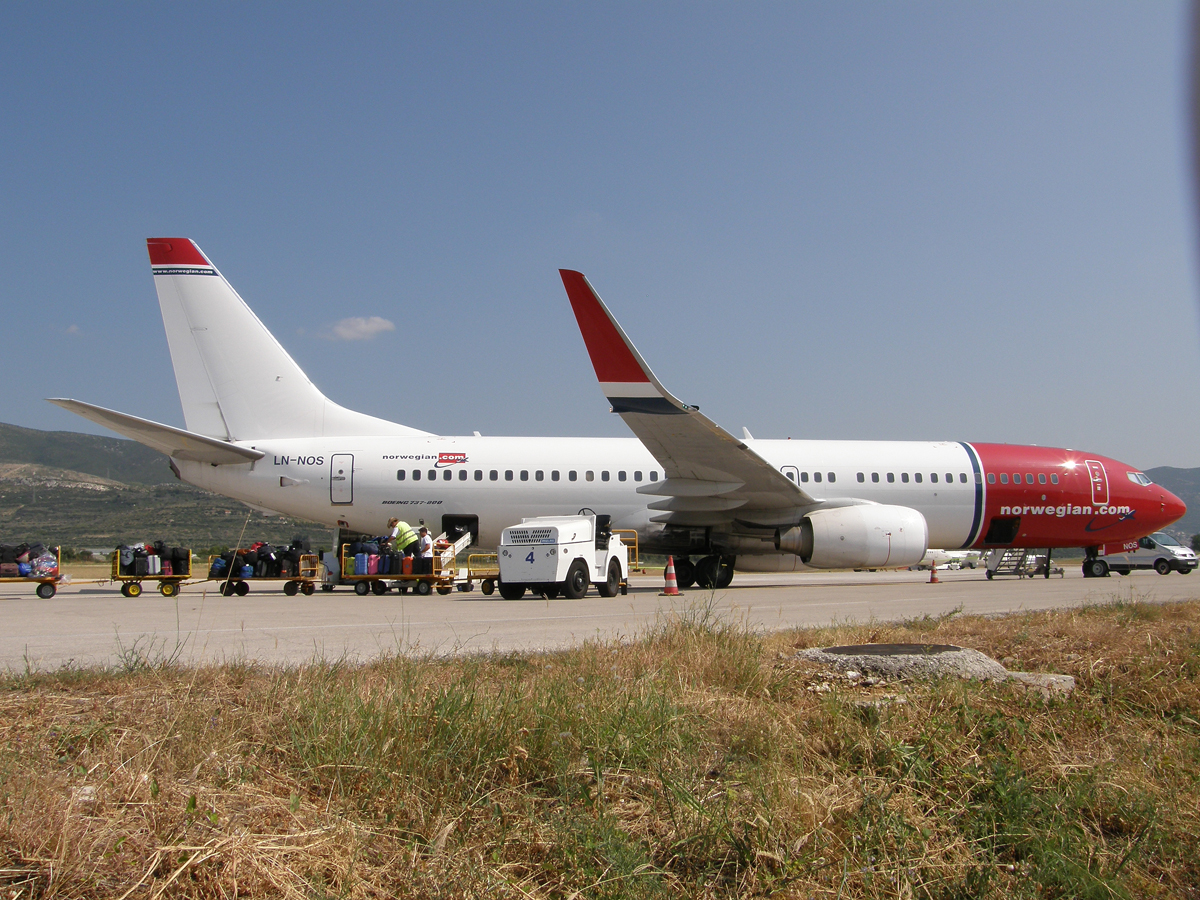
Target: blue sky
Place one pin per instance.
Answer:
(836, 220)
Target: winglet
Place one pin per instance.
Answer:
(624, 376)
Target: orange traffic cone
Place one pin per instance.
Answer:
(933, 579)
(672, 587)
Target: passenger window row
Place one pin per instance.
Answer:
(1016, 478)
(509, 474)
(917, 477)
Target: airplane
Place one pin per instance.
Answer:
(259, 431)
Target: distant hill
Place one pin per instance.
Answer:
(80, 490)
(113, 458)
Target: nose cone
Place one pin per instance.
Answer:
(1173, 509)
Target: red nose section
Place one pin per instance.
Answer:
(1173, 509)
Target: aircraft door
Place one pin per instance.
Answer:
(1099, 479)
(341, 479)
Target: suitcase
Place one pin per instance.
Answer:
(247, 571)
(153, 564)
(166, 568)
(360, 564)
(141, 567)
(372, 563)
(348, 566)
(407, 565)
(9, 570)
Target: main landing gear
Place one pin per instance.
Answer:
(709, 572)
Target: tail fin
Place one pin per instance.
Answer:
(236, 382)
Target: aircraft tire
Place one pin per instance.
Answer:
(725, 571)
(685, 573)
(1095, 568)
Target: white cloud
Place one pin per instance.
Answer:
(73, 329)
(358, 328)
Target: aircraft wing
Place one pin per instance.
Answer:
(172, 441)
(712, 477)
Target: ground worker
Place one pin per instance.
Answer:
(402, 539)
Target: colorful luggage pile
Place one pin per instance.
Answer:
(28, 561)
(261, 560)
(372, 558)
(152, 560)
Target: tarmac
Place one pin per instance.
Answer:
(93, 625)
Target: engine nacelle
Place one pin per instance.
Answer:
(857, 537)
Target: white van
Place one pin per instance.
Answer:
(1159, 552)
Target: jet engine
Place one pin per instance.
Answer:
(857, 537)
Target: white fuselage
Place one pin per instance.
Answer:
(360, 482)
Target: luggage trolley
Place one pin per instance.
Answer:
(46, 582)
(302, 582)
(356, 569)
(168, 582)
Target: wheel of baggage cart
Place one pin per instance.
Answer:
(46, 590)
(133, 589)
(242, 588)
(487, 586)
(124, 590)
(444, 589)
(291, 588)
(422, 588)
(362, 588)
(308, 588)
(466, 587)
(168, 588)
(379, 588)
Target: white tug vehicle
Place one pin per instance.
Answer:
(553, 555)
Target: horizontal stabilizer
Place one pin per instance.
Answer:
(174, 442)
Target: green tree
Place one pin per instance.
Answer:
(1196, 542)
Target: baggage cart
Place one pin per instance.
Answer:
(47, 585)
(304, 581)
(484, 568)
(168, 583)
(444, 576)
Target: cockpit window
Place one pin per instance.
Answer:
(1138, 478)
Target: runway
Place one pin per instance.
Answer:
(93, 625)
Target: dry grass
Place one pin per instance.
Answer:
(701, 761)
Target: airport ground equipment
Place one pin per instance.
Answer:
(1022, 562)
(1158, 551)
(167, 574)
(43, 570)
(484, 568)
(302, 581)
(362, 570)
(554, 555)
